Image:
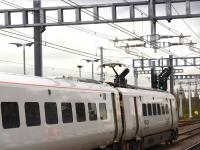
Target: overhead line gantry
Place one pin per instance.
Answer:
(40, 18)
(96, 16)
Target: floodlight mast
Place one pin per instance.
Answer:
(24, 52)
(92, 61)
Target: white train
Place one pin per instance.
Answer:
(46, 114)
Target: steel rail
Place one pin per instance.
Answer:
(194, 147)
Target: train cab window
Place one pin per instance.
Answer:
(67, 115)
(103, 111)
(154, 109)
(158, 108)
(51, 113)
(92, 111)
(80, 112)
(149, 109)
(144, 109)
(32, 112)
(10, 115)
(163, 109)
(166, 108)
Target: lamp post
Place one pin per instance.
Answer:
(92, 61)
(24, 53)
(79, 67)
(181, 104)
(190, 101)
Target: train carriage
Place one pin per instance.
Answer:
(150, 117)
(48, 114)
(40, 113)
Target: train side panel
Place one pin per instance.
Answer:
(76, 135)
(155, 119)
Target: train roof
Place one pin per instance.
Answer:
(145, 92)
(8, 78)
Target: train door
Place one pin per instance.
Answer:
(174, 113)
(139, 116)
(168, 107)
(117, 116)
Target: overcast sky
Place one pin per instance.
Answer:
(58, 63)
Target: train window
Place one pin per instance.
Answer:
(104, 96)
(163, 109)
(10, 115)
(144, 109)
(51, 113)
(80, 112)
(103, 111)
(67, 115)
(167, 109)
(92, 111)
(154, 109)
(32, 112)
(158, 108)
(149, 109)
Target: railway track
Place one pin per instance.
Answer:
(186, 123)
(187, 134)
(194, 147)
(184, 136)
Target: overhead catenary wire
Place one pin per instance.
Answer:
(24, 35)
(171, 29)
(162, 24)
(50, 47)
(65, 1)
(191, 29)
(197, 35)
(17, 6)
(50, 43)
(11, 36)
(117, 26)
(20, 6)
(29, 37)
(7, 61)
(45, 44)
(108, 37)
(75, 27)
(102, 35)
